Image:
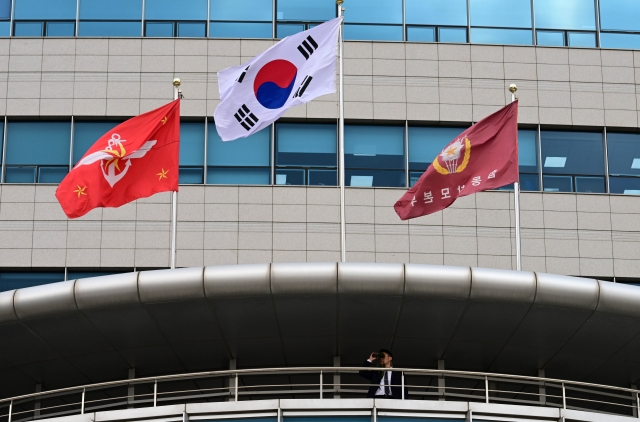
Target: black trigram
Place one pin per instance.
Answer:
(242, 75)
(307, 47)
(245, 117)
(303, 86)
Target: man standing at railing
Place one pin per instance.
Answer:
(384, 384)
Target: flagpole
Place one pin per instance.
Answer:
(343, 234)
(174, 194)
(516, 190)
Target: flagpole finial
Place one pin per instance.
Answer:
(513, 88)
(176, 82)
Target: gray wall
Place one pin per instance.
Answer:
(594, 235)
(384, 81)
(576, 234)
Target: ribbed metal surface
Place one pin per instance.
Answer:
(303, 314)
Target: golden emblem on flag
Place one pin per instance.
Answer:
(450, 157)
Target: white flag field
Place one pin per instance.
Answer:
(296, 70)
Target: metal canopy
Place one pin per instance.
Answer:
(267, 315)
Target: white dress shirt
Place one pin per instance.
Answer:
(384, 380)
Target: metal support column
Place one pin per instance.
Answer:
(634, 401)
(36, 405)
(336, 378)
(131, 390)
(542, 390)
(486, 389)
(231, 380)
(441, 383)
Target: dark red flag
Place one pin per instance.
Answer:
(136, 159)
(485, 156)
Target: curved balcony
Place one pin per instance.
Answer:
(426, 392)
(499, 325)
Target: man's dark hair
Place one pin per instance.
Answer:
(387, 352)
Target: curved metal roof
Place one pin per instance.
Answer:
(92, 330)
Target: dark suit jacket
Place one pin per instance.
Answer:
(375, 377)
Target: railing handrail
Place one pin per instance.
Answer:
(312, 369)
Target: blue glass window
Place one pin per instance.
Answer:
(528, 160)
(501, 13)
(61, 29)
(119, 18)
(5, 9)
(192, 29)
(85, 134)
(191, 153)
(16, 280)
(39, 143)
(191, 144)
(109, 29)
(574, 14)
(241, 10)
(421, 33)
(5, 16)
(624, 154)
(252, 19)
(296, 10)
(240, 30)
(306, 154)
(243, 161)
(501, 36)
(43, 10)
(286, 29)
(624, 185)
(572, 161)
(582, 39)
(374, 156)
(624, 162)
(373, 32)
(111, 10)
(437, 12)
(159, 29)
(425, 143)
(621, 15)
(172, 11)
(457, 35)
(629, 41)
(551, 38)
(374, 11)
(37, 152)
(29, 29)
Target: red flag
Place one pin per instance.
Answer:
(136, 159)
(485, 156)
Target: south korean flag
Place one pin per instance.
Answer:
(296, 70)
